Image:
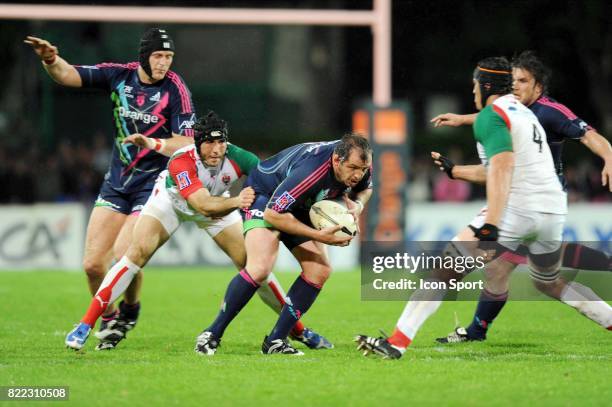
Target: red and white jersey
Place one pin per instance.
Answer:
(187, 173)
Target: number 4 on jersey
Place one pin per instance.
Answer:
(537, 137)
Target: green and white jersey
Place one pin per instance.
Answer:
(187, 173)
(508, 125)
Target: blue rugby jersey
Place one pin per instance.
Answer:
(560, 123)
(301, 175)
(155, 110)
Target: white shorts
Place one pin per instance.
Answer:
(540, 232)
(159, 205)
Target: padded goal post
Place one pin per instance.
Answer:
(388, 132)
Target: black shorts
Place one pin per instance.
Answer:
(126, 203)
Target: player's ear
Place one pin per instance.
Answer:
(335, 158)
(539, 88)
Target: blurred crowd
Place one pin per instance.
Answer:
(71, 173)
(428, 183)
(74, 172)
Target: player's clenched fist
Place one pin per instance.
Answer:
(43, 49)
(246, 198)
(140, 141)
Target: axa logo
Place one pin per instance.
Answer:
(186, 124)
(143, 117)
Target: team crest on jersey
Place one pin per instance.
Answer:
(155, 98)
(225, 178)
(283, 201)
(183, 180)
(140, 99)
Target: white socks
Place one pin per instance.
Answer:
(587, 303)
(421, 305)
(272, 294)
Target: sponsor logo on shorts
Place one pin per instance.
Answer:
(283, 202)
(254, 213)
(103, 202)
(183, 180)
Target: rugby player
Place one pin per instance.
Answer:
(152, 107)
(423, 304)
(194, 188)
(530, 85)
(286, 186)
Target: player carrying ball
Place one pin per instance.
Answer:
(194, 188)
(287, 185)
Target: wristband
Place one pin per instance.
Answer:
(447, 165)
(487, 233)
(159, 144)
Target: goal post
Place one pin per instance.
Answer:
(378, 19)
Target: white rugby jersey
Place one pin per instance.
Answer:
(508, 125)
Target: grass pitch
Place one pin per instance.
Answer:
(540, 353)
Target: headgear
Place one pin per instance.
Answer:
(154, 39)
(494, 76)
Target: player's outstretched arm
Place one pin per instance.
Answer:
(216, 206)
(286, 222)
(476, 174)
(165, 147)
(453, 120)
(599, 145)
(57, 67)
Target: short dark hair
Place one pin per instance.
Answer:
(529, 61)
(350, 141)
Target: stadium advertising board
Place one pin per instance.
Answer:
(41, 236)
(51, 236)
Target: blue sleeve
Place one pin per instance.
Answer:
(182, 112)
(563, 122)
(96, 76)
(301, 184)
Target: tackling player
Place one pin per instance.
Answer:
(194, 188)
(424, 304)
(287, 185)
(153, 116)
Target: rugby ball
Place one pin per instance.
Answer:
(327, 213)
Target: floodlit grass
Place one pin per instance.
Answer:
(540, 353)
